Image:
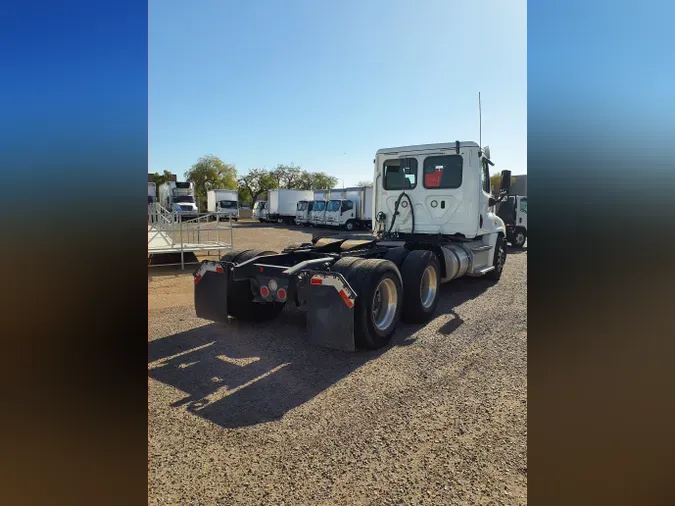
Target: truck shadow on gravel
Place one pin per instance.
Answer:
(241, 374)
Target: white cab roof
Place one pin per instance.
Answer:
(429, 147)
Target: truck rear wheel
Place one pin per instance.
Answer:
(519, 238)
(397, 255)
(349, 226)
(421, 274)
(379, 294)
(240, 304)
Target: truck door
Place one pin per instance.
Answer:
(522, 212)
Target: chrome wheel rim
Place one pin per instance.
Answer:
(428, 287)
(385, 302)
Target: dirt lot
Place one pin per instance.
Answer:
(251, 414)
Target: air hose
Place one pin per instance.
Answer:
(396, 205)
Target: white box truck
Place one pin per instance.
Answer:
(317, 215)
(225, 203)
(513, 211)
(282, 204)
(350, 208)
(179, 197)
(260, 210)
(303, 212)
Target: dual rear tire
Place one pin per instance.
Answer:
(404, 285)
(379, 288)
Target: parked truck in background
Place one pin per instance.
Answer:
(433, 222)
(303, 212)
(513, 211)
(317, 217)
(351, 211)
(179, 197)
(282, 204)
(225, 203)
(260, 210)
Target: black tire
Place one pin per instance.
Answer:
(415, 309)
(240, 304)
(499, 259)
(397, 256)
(365, 276)
(350, 226)
(519, 237)
(261, 220)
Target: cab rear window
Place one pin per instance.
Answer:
(443, 171)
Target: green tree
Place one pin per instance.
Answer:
(315, 181)
(211, 173)
(160, 179)
(257, 182)
(365, 183)
(287, 176)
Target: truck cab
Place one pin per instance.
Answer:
(317, 216)
(260, 210)
(339, 212)
(439, 189)
(513, 211)
(302, 214)
(228, 208)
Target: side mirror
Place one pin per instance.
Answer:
(506, 182)
(492, 202)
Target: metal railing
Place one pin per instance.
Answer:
(171, 232)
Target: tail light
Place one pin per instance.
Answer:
(264, 291)
(281, 294)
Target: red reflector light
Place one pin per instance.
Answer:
(260, 269)
(197, 278)
(264, 291)
(316, 281)
(219, 268)
(281, 293)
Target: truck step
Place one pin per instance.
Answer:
(484, 247)
(484, 270)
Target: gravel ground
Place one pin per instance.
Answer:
(251, 414)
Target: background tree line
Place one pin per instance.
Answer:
(211, 173)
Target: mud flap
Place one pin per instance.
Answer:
(330, 311)
(211, 291)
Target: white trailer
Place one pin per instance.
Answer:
(223, 202)
(179, 197)
(434, 223)
(351, 208)
(282, 204)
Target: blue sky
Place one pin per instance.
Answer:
(326, 84)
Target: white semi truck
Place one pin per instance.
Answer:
(179, 197)
(282, 204)
(513, 211)
(433, 222)
(225, 203)
(350, 209)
